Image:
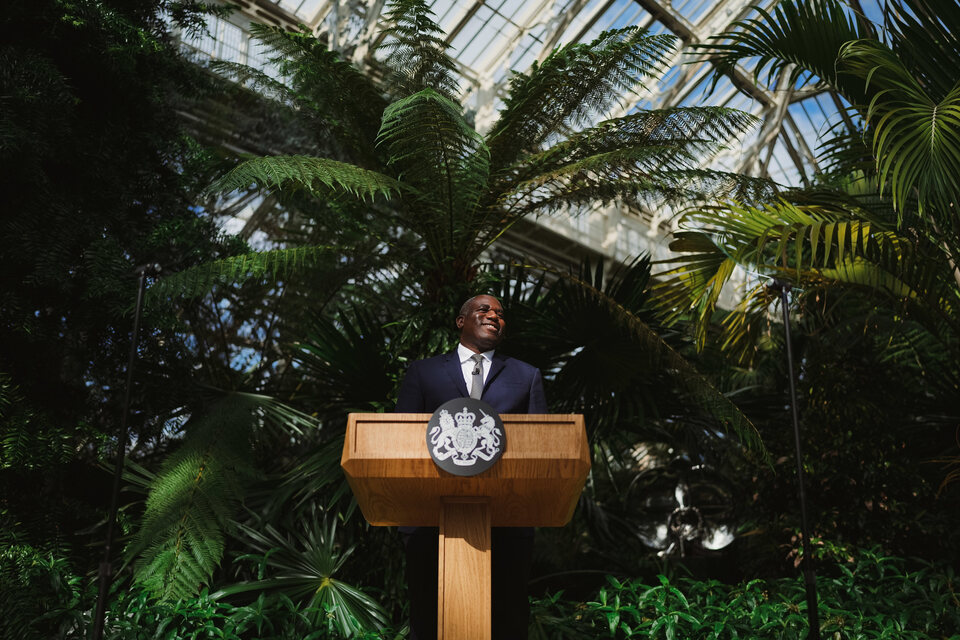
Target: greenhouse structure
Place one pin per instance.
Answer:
(706, 250)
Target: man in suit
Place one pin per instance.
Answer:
(476, 370)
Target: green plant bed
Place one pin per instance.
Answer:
(870, 596)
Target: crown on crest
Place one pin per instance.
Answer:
(465, 419)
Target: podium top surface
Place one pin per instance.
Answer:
(537, 481)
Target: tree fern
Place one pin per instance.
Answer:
(572, 84)
(445, 161)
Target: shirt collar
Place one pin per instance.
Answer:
(465, 354)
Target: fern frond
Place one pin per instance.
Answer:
(437, 152)
(194, 494)
(201, 279)
(416, 50)
(572, 84)
(253, 78)
(321, 81)
(696, 130)
(305, 172)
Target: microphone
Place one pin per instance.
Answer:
(476, 369)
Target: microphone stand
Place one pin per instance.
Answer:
(809, 577)
(106, 567)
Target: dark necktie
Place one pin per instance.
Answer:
(476, 386)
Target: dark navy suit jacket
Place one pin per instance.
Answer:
(512, 386)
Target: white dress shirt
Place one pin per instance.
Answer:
(466, 364)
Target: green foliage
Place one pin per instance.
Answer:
(201, 279)
(869, 596)
(572, 84)
(303, 567)
(304, 172)
(799, 38)
(40, 594)
(417, 50)
(191, 498)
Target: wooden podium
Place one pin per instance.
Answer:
(536, 483)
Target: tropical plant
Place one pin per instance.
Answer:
(417, 177)
(869, 251)
(889, 226)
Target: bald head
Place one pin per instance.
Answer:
(481, 323)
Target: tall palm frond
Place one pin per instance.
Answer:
(777, 240)
(800, 38)
(924, 37)
(915, 136)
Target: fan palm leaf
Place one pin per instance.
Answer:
(598, 346)
(303, 566)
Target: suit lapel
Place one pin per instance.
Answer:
(451, 367)
(495, 368)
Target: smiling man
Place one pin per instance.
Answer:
(475, 369)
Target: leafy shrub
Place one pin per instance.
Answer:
(869, 597)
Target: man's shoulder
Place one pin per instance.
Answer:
(515, 362)
(432, 361)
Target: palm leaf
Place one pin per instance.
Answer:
(303, 566)
(601, 354)
(801, 37)
(915, 138)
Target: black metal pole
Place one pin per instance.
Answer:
(809, 576)
(106, 567)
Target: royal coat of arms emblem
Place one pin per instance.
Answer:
(465, 436)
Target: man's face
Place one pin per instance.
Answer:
(482, 324)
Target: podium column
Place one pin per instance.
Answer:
(464, 572)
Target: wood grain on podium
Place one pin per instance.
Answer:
(536, 482)
(464, 576)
